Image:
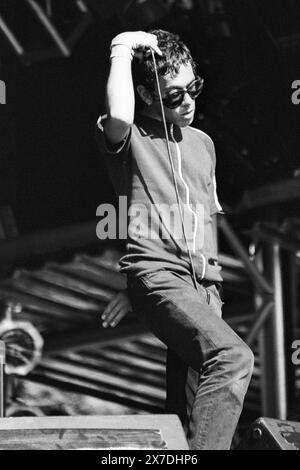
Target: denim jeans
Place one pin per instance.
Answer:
(208, 365)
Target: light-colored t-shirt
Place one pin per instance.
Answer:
(141, 171)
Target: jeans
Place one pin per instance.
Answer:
(208, 365)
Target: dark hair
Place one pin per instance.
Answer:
(175, 54)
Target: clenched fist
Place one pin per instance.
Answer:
(136, 40)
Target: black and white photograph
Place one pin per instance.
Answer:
(149, 227)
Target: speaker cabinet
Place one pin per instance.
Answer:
(271, 434)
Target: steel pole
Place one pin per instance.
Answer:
(2, 362)
(257, 278)
(40, 13)
(263, 343)
(278, 400)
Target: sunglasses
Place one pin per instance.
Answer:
(175, 97)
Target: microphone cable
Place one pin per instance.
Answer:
(173, 171)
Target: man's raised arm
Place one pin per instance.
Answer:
(119, 91)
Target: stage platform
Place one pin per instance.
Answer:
(131, 432)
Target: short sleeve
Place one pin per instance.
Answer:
(215, 206)
(120, 149)
(116, 158)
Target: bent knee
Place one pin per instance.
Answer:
(244, 359)
(238, 358)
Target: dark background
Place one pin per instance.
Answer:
(248, 52)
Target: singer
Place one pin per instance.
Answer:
(154, 156)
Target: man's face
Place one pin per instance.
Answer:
(183, 115)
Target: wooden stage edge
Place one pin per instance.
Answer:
(163, 432)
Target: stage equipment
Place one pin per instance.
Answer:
(271, 434)
(47, 30)
(23, 343)
(130, 432)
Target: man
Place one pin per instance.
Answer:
(171, 258)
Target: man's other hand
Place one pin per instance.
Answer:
(117, 308)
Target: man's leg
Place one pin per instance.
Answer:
(182, 380)
(181, 317)
(176, 374)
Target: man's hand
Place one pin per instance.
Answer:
(117, 308)
(137, 40)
